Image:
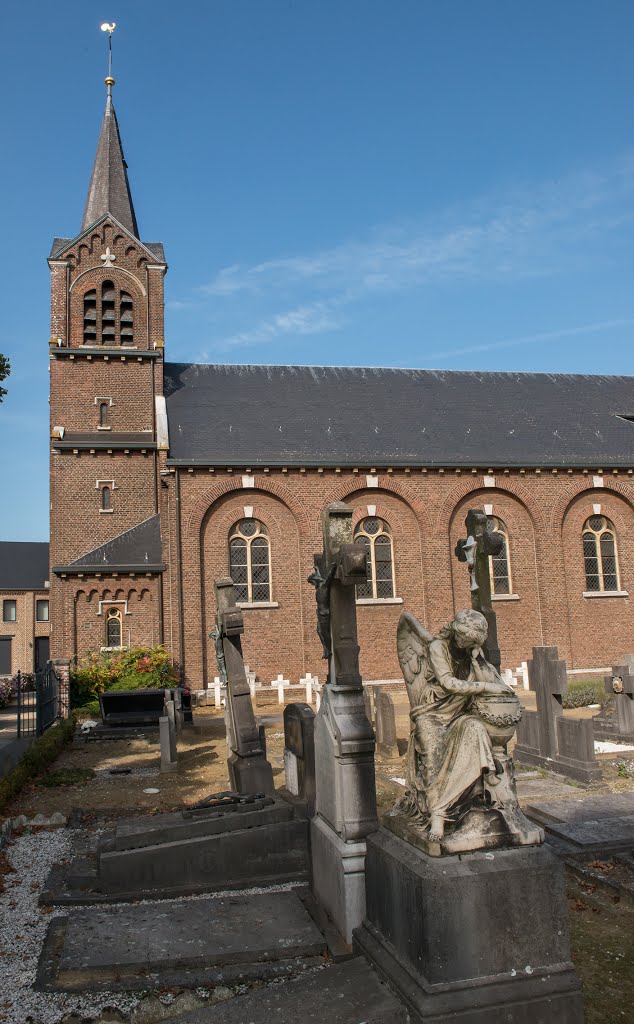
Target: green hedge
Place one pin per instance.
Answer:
(36, 760)
(584, 692)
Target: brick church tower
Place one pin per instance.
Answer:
(108, 422)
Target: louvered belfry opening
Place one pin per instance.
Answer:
(108, 316)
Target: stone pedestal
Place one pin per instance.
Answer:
(480, 938)
(345, 805)
(167, 731)
(338, 877)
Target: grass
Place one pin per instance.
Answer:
(66, 777)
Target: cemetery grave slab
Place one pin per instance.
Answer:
(588, 825)
(189, 943)
(345, 994)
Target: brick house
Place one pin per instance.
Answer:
(167, 475)
(24, 605)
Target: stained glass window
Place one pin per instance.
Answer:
(500, 564)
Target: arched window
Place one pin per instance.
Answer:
(600, 555)
(106, 498)
(250, 561)
(113, 627)
(103, 414)
(375, 534)
(500, 564)
(108, 316)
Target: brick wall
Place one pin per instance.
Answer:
(25, 628)
(544, 514)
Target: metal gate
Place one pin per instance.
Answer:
(38, 700)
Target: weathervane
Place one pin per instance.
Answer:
(109, 27)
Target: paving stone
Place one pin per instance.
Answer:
(350, 993)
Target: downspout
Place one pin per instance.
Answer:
(179, 576)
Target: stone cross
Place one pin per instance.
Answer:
(338, 570)
(249, 770)
(480, 544)
(547, 674)
(621, 686)
(108, 257)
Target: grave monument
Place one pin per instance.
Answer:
(546, 738)
(345, 794)
(249, 770)
(617, 723)
(466, 913)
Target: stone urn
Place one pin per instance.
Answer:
(500, 713)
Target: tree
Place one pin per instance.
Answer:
(5, 370)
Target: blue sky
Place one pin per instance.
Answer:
(342, 181)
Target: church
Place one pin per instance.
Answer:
(165, 476)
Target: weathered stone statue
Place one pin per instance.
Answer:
(460, 786)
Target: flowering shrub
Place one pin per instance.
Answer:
(138, 668)
(7, 693)
(584, 692)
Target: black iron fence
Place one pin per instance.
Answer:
(40, 701)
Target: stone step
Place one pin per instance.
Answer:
(185, 943)
(349, 993)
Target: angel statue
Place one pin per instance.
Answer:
(463, 714)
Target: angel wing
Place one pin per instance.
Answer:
(412, 644)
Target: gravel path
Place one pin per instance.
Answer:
(23, 926)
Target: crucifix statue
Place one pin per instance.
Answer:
(338, 570)
(249, 770)
(476, 550)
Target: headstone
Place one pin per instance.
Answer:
(308, 682)
(385, 724)
(131, 707)
(544, 737)
(249, 770)
(617, 723)
(344, 740)
(167, 731)
(299, 753)
(481, 543)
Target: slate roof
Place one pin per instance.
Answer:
(23, 565)
(109, 189)
(138, 548)
(322, 415)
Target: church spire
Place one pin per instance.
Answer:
(109, 190)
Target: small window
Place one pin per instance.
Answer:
(500, 564)
(113, 627)
(41, 611)
(600, 555)
(9, 611)
(375, 535)
(103, 413)
(106, 498)
(250, 561)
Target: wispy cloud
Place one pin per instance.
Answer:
(541, 230)
(518, 234)
(532, 339)
(311, 319)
